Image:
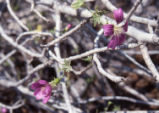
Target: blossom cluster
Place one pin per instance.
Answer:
(117, 32)
(42, 90)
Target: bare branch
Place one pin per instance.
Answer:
(15, 17)
(11, 41)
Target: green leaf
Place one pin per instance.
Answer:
(55, 81)
(77, 4)
(67, 66)
(96, 17)
(87, 59)
(109, 104)
(116, 108)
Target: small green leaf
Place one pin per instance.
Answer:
(67, 66)
(107, 107)
(96, 17)
(87, 59)
(77, 4)
(116, 108)
(55, 81)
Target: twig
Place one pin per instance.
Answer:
(15, 17)
(40, 15)
(10, 40)
(90, 52)
(81, 71)
(14, 84)
(14, 106)
(99, 66)
(147, 59)
(142, 36)
(119, 98)
(97, 50)
(66, 34)
(151, 52)
(149, 62)
(137, 3)
(136, 111)
(130, 90)
(33, 33)
(57, 51)
(7, 56)
(136, 63)
(32, 8)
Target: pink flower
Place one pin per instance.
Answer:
(4, 110)
(42, 90)
(117, 32)
(68, 27)
(118, 15)
(108, 29)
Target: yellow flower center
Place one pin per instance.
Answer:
(118, 30)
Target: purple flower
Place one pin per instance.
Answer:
(4, 110)
(117, 32)
(108, 29)
(42, 90)
(118, 15)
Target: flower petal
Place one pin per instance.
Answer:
(47, 90)
(121, 39)
(37, 91)
(113, 43)
(118, 15)
(42, 82)
(117, 40)
(45, 100)
(40, 95)
(35, 85)
(108, 29)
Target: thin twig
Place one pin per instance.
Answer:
(57, 51)
(33, 33)
(130, 90)
(20, 47)
(14, 106)
(147, 58)
(119, 98)
(99, 66)
(7, 56)
(15, 17)
(149, 62)
(65, 34)
(137, 3)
